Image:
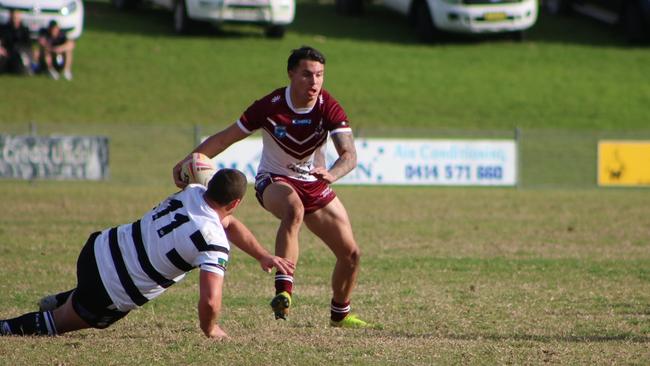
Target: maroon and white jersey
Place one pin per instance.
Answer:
(292, 135)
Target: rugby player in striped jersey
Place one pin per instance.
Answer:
(122, 268)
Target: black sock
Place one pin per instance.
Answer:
(52, 302)
(62, 297)
(35, 323)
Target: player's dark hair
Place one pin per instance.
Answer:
(304, 53)
(226, 185)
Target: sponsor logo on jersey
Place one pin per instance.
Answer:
(222, 262)
(301, 168)
(280, 131)
(301, 122)
(276, 99)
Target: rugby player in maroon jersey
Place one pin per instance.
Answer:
(292, 181)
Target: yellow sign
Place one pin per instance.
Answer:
(624, 163)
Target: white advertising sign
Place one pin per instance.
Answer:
(53, 157)
(406, 162)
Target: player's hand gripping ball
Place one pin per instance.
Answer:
(197, 169)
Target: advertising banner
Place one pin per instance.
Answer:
(56, 157)
(406, 162)
(624, 163)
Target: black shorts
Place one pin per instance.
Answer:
(90, 299)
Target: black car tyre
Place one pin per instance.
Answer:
(275, 31)
(556, 7)
(182, 23)
(636, 31)
(349, 7)
(518, 36)
(424, 27)
(124, 4)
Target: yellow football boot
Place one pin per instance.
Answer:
(350, 321)
(281, 304)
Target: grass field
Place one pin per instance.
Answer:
(130, 68)
(452, 276)
(449, 275)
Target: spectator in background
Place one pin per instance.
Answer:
(15, 46)
(56, 49)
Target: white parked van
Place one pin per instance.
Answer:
(37, 14)
(274, 15)
(431, 17)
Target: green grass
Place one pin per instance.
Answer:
(456, 276)
(572, 73)
(452, 275)
(572, 82)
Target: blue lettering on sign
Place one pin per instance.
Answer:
(365, 170)
(421, 172)
(489, 172)
(458, 172)
(249, 169)
(224, 166)
(301, 122)
(405, 152)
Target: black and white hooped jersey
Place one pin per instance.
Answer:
(138, 261)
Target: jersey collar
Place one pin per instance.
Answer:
(287, 97)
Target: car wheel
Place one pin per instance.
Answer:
(349, 7)
(633, 23)
(518, 36)
(182, 23)
(556, 7)
(274, 31)
(124, 4)
(424, 27)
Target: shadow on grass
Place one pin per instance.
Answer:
(576, 30)
(547, 339)
(313, 18)
(595, 338)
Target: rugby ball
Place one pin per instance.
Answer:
(197, 168)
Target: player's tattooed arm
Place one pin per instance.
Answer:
(344, 143)
(319, 156)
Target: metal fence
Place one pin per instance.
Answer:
(564, 159)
